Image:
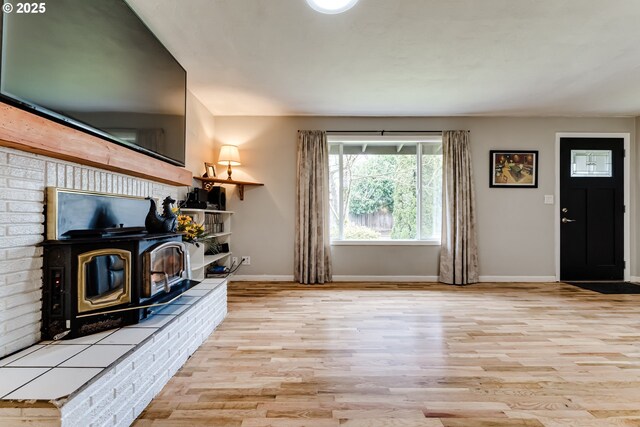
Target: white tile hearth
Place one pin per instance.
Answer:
(154, 322)
(20, 354)
(13, 378)
(209, 284)
(186, 300)
(172, 309)
(55, 383)
(89, 339)
(196, 292)
(51, 355)
(133, 335)
(110, 377)
(97, 356)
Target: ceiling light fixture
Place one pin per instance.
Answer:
(332, 6)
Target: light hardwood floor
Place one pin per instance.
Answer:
(375, 354)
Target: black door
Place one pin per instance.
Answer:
(591, 209)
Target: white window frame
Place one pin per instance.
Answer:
(364, 140)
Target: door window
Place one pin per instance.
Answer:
(591, 164)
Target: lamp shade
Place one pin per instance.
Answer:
(229, 155)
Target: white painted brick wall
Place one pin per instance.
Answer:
(23, 179)
(123, 392)
(119, 397)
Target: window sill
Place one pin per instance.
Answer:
(385, 243)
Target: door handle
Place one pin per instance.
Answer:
(566, 220)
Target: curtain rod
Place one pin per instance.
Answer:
(382, 132)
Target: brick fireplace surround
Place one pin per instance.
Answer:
(24, 177)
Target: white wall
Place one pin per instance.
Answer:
(515, 227)
(200, 141)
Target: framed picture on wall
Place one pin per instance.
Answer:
(513, 169)
(210, 170)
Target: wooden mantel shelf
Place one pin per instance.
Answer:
(207, 183)
(29, 132)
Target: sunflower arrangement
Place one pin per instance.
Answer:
(193, 232)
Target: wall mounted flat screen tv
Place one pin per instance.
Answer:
(94, 65)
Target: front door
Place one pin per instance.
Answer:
(591, 209)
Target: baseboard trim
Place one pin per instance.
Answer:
(429, 279)
(340, 278)
(261, 278)
(336, 278)
(518, 279)
(634, 279)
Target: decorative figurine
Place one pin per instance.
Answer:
(165, 223)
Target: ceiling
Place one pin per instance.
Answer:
(406, 57)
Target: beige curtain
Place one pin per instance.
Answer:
(459, 251)
(312, 257)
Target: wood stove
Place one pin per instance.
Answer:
(98, 278)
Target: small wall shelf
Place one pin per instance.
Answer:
(220, 234)
(207, 183)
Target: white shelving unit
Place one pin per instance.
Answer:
(200, 261)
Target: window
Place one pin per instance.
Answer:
(385, 189)
(591, 163)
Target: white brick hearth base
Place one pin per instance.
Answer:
(121, 391)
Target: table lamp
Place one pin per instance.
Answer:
(229, 156)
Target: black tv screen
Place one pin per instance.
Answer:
(94, 65)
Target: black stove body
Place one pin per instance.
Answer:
(96, 279)
(91, 285)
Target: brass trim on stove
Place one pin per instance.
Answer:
(52, 213)
(115, 297)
